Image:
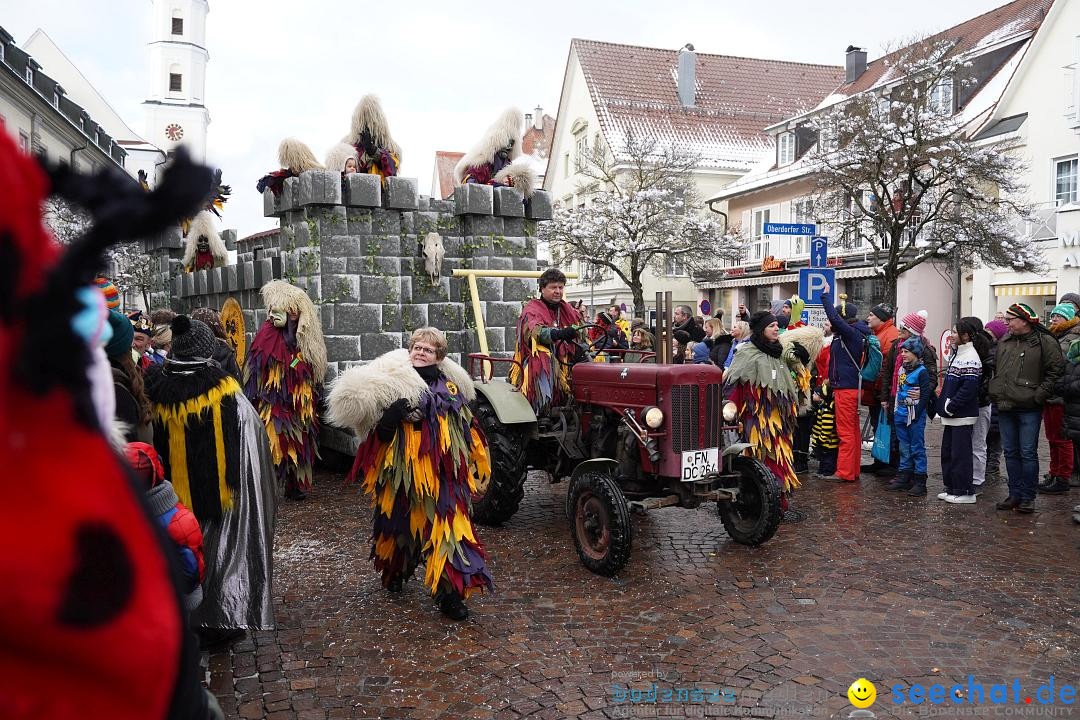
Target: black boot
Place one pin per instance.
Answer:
(395, 585)
(918, 486)
(293, 492)
(453, 607)
(902, 481)
(1055, 485)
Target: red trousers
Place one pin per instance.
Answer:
(847, 428)
(1061, 448)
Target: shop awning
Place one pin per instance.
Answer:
(780, 278)
(1026, 290)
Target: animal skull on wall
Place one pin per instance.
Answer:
(433, 255)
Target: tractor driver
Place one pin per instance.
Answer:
(545, 344)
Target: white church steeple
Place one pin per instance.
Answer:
(175, 107)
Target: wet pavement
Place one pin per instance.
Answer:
(867, 583)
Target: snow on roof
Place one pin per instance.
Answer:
(635, 89)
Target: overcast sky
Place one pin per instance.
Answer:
(443, 70)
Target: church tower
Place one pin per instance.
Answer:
(175, 107)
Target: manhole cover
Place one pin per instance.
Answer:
(794, 516)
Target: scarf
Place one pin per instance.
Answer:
(1058, 329)
(428, 373)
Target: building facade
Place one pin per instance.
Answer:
(780, 190)
(176, 104)
(714, 106)
(1038, 117)
(36, 111)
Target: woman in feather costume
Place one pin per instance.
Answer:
(420, 449)
(761, 385)
(283, 373)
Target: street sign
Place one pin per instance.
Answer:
(813, 281)
(819, 252)
(706, 307)
(815, 316)
(790, 229)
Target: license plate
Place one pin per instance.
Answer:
(697, 464)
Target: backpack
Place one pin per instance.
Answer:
(871, 366)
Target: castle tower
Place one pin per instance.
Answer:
(175, 107)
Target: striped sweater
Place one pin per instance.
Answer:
(958, 403)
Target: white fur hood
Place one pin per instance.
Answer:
(359, 396)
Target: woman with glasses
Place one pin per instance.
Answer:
(421, 452)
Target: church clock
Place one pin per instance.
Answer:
(174, 132)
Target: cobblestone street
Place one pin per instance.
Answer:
(871, 584)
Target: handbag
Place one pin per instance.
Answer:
(882, 438)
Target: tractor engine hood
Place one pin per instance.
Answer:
(635, 384)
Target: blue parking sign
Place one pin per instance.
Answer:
(813, 281)
(819, 252)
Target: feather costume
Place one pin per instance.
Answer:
(766, 394)
(282, 377)
(496, 159)
(214, 451)
(541, 371)
(369, 135)
(194, 258)
(421, 480)
(811, 339)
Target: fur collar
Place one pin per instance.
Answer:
(359, 395)
(506, 130)
(811, 338)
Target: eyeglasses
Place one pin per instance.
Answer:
(424, 349)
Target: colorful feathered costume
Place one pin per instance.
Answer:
(542, 366)
(294, 157)
(421, 480)
(283, 374)
(92, 624)
(369, 134)
(203, 248)
(763, 389)
(497, 160)
(214, 451)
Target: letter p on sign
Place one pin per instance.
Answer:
(813, 281)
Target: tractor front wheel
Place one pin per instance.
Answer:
(754, 515)
(600, 522)
(497, 498)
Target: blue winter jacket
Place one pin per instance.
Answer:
(909, 379)
(843, 373)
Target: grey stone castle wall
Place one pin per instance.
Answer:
(356, 248)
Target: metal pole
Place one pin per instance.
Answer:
(660, 334)
(478, 314)
(668, 320)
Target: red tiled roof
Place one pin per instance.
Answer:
(1006, 21)
(445, 161)
(635, 89)
(538, 142)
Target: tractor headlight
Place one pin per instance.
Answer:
(653, 417)
(730, 412)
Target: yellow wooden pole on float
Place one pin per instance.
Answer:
(471, 275)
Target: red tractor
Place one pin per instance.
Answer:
(635, 436)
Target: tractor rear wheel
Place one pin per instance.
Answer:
(754, 515)
(600, 522)
(497, 499)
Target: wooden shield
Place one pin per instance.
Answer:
(233, 320)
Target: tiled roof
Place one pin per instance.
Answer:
(635, 89)
(445, 161)
(538, 142)
(1016, 18)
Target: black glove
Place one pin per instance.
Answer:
(568, 334)
(394, 415)
(800, 352)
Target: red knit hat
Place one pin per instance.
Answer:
(915, 322)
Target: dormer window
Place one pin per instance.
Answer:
(941, 96)
(177, 26)
(785, 148)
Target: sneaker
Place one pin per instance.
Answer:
(1009, 503)
(943, 495)
(961, 499)
(452, 607)
(1026, 506)
(1056, 486)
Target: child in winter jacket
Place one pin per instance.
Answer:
(958, 408)
(914, 390)
(179, 522)
(823, 432)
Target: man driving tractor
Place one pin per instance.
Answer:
(545, 344)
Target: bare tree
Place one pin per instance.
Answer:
(134, 271)
(642, 209)
(66, 222)
(895, 172)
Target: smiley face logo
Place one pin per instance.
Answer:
(862, 693)
(451, 388)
